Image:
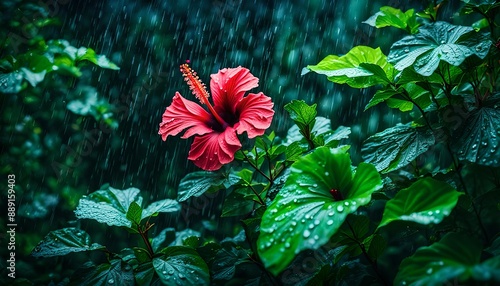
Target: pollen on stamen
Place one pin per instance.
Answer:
(196, 86)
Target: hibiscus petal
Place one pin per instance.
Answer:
(256, 113)
(211, 151)
(182, 114)
(228, 87)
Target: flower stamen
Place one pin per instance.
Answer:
(199, 89)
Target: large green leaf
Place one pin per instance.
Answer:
(439, 41)
(181, 266)
(455, 257)
(319, 193)
(63, 241)
(108, 206)
(226, 260)
(112, 206)
(396, 147)
(302, 114)
(425, 201)
(361, 67)
(392, 17)
(481, 6)
(197, 183)
(116, 272)
(477, 139)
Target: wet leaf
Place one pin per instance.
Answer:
(11, 82)
(163, 206)
(226, 260)
(108, 206)
(90, 55)
(455, 256)
(197, 183)
(425, 201)
(396, 147)
(302, 114)
(181, 265)
(236, 204)
(134, 213)
(163, 239)
(439, 41)
(477, 138)
(392, 17)
(319, 193)
(361, 67)
(114, 273)
(63, 241)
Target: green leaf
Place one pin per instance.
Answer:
(361, 67)
(11, 82)
(425, 201)
(63, 241)
(226, 260)
(108, 206)
(392, 17)
(181, 265)
(197, 183)
(396, 147)
(162, 206)
(479, 6)
(375, 245)
(236, 204)
(439, 41)
(85, 105)
(302, 114)
(163, 239)
(91, 56)
(33, 78)
(114, 273)
(402, 105)
(304, 214)
(134, 213)
(144, 273)
(477, 138)
(381, 95)
(456, 256)
(321, 125)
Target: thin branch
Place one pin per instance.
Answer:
(254, 166)
(365, 253)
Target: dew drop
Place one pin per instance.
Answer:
(306, 233)
(407, 50)
(329, 222)
(340, 208)
(111, 281)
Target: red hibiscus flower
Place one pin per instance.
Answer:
(232, 112)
